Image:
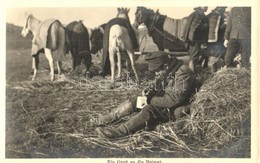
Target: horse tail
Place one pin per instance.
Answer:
(119, 43)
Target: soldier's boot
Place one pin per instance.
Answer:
(135, 124)
(122, 110)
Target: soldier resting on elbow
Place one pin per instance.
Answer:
(165, 100)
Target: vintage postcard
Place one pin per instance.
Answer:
(76, 74)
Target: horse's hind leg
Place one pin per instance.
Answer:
(128, 62)
(50, 59)
(113, 65)
(88, 61)
(119, 64)
(59, 66)
(131, 57)
(35, 64)
(61, 50)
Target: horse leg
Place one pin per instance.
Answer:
(50, 59)
(127, 68)
(59, 65)
(74, 61)
(61, 50)
(88, 61)
(119, 64)
(112, 65)
(131, 57)
(35, 64)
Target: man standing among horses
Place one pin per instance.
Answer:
(215, 48)
(196, 33)
(238, 36)
(166, 99)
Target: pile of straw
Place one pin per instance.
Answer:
(220, 115)
(221, 108)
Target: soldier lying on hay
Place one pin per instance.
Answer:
(162, 104)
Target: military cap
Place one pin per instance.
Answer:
(156, 60)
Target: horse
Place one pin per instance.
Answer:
(120, 41)
(48, 37)
(96, 38)
(118, 37)
(78, 45)
(165, 32)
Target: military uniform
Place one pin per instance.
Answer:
(215, 48)
(161, 107)
(195, 34)
(238, 32)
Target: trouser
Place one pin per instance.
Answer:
(194, 51)
(151, 116)
(159, 114)
(234, 47)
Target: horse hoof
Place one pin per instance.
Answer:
(138, 82)
(88, 76)
(112, 86)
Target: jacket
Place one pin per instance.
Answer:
(239, 24)
(196, 29)
(217, 27)
(178, 90)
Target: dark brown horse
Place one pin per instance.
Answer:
(78, 45)
(165, 32)
(96, 38)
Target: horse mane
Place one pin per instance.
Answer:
(147, 10)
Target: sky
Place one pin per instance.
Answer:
(91, 16)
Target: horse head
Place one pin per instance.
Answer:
(142, 15)
(30, 24)
(96, 39)
(26, 27)
(123, 13)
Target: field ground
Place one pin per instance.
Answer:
(50, 119)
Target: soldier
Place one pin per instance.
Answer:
(238, 36)
(215, 48)
(162, 104)
(195, 34)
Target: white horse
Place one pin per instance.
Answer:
(120, 41)
(54, 41)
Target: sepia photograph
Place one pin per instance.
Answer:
(130, 81)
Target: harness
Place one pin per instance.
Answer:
(155, 20)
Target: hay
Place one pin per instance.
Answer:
(220, 112)
(220, 108)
